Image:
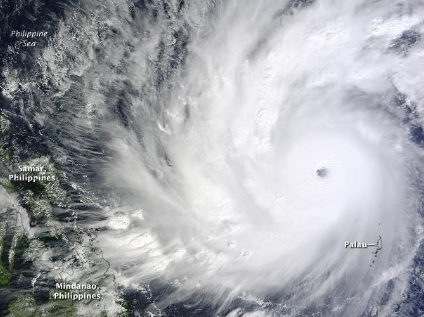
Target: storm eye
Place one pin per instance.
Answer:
(322, 171)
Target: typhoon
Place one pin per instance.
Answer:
(243, 158)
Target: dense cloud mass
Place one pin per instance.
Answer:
(235, 150)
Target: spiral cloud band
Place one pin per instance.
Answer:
(259, 158)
